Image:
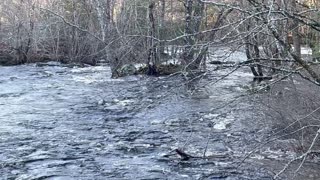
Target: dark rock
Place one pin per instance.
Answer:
(126, 70)
(161, 70)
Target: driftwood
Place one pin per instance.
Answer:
(184, 156)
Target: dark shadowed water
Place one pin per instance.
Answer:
(63, 123)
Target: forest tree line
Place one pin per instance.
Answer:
(154, 31)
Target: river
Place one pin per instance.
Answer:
(59, 123)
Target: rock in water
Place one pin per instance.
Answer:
(127, 70)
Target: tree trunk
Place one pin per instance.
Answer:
(162, 26)
(101, 19)
(192, 25)
(152, 54)
(249, 57)
(257, 56)
(295, 33)
(188, 51)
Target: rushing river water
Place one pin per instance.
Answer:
(67, 123)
